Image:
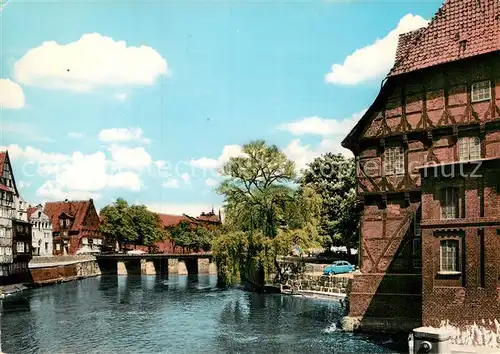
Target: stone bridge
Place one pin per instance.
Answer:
(156, 264)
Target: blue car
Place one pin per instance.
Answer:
(339, 267)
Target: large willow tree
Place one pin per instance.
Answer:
(266, 214)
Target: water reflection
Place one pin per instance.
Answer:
(176, 314)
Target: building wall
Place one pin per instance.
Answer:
(473, 293)
(41, 234)
(436, 98)
(425, 114)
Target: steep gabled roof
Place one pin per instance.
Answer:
(3, 154)
(460, 29)
(30, 211)
(168, 220)
(78, 209)
(4, 159)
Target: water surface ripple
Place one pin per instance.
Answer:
(149, 314)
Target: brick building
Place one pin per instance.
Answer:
(209, 220)
(75, 226)
(429, 235)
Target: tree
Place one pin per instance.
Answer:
(334, 178)
(265, 214)
(123, 223)
(147, 225)
(192, 237)
(117, 224)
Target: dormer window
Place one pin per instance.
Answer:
(469, 148)
(394, 161)
(481, 91)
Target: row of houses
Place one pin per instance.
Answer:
(58, 228)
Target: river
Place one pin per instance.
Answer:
(179, 315)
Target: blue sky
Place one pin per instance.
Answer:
(145, 99)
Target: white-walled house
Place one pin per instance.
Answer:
(41, 230)
(15, 230)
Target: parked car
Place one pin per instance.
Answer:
(339, 267)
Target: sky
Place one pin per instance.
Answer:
(144, 100)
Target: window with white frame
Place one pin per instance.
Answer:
(8, 251)
(481, 91)
(20, 247)
(85, 241)
(58, 247)
(394, 161)
(449, 203)
(449, 256)
(469, 148)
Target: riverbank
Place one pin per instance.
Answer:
(54, 270)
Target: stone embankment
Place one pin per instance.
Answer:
(59, 269)
(330, 285)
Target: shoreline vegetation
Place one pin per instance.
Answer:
(271, 209)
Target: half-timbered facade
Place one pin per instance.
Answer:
(439, 105)
(75, 227)
(15, 231)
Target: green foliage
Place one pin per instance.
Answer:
(334, 178)
(193, 237)
(147, 225)
(117, 224)
(266, 214)
(136, 224)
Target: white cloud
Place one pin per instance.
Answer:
(171, 183)
(204, 163)
(302, 154)
(331, 131)
(210, 182)
(123, 135)
(322, 126)
(50, 191)
(192, 209)
(91, 62)
(228, 151)
(121, 96)
(376, 59)
(186, 177)
(72, 176)
(11, 95)
(75, 135)
(133, 158)
(23, 184)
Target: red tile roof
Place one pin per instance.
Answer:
(210, 217)
(76, 209)
(2, 160)
(31, 211)
(172, 220)
(460, 29)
